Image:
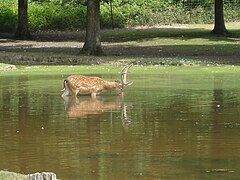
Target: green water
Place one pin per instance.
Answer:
(173, 123)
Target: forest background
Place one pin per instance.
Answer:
(46, 15)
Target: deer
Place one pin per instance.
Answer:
(93, 85)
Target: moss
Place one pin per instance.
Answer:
(6, 175)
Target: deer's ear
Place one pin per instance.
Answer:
(117, 81)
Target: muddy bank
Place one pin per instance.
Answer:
(74, 58)
(63, 59)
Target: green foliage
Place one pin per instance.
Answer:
(8, 19)
(71, 14)
(56, 16)
(154, 12)
(231, 13)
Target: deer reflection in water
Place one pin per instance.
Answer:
(86, 105)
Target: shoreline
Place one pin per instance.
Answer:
(57, 58)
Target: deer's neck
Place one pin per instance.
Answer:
(109, 85)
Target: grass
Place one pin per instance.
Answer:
(64, 71)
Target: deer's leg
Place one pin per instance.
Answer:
(93, 95)
(75, 92)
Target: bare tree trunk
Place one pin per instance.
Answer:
(92, 45)
(111, 11)
(219, 27)
(22, 28)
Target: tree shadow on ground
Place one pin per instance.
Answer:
(125, 35)
(149, 34)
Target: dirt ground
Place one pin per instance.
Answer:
(47, 50)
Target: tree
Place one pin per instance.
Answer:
(92, 44)
(219, 27)
(22, 27)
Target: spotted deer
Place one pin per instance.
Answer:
(93, 85)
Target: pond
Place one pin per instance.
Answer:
(172, 123)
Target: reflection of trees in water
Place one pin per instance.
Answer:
(6, 100)
(225, 117)
(23, 121)
(218, 97)
(23, 107)
(224, 97)
(218, 93)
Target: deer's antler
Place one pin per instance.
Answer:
(124, 73)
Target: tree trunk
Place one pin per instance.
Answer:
(219, 27)
(22, 28)
(92, 45)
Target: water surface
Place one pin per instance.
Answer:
(174, 123)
